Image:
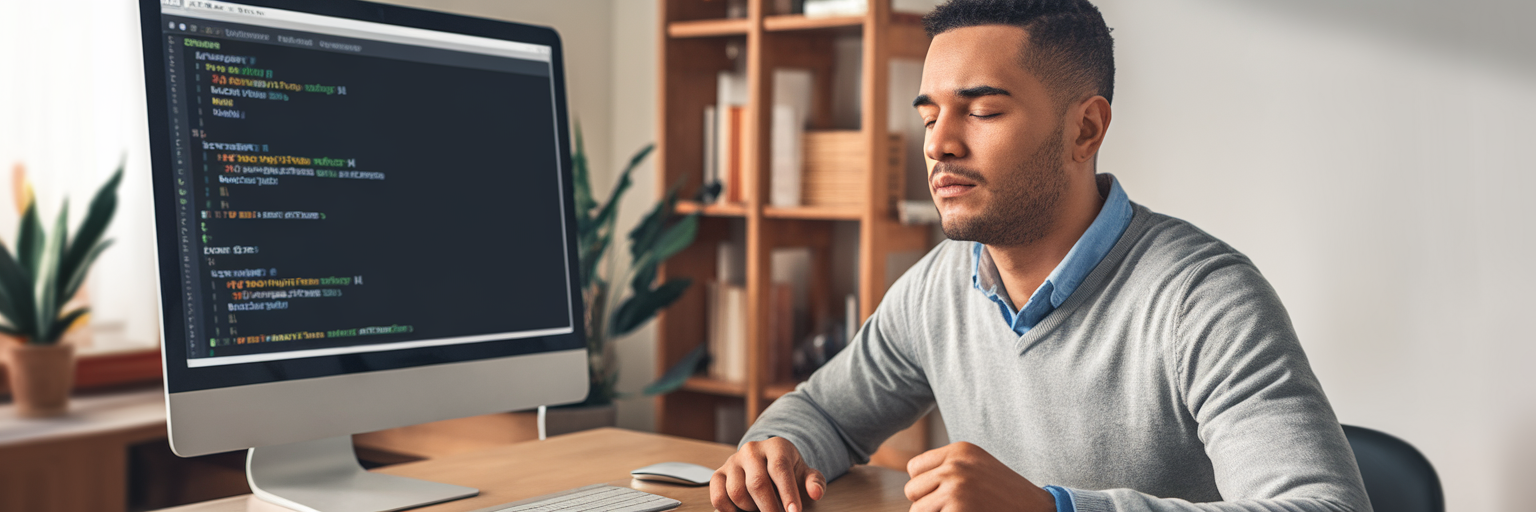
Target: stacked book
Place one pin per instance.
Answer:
(834, 161)
(725, 126)
(727, 319)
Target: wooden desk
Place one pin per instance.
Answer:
(535, 468)
(78, 461)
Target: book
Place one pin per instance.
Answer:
(791, 108)
(851, 322)
(733, 165)
(711, 167)
(834, 168)
(787, 163)
(727, 329)
(730, 109)
(727, 342)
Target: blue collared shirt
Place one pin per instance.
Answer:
(1091, 248)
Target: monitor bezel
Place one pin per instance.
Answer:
(179, 378)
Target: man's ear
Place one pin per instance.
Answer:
(1091, 118)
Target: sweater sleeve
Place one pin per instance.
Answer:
(868, 392)
(1271, 436)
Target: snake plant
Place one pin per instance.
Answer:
(48, 268)
(612, 313)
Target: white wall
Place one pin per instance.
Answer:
(1374, 159)
(634, 125)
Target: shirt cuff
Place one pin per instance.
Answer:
(1063, 499)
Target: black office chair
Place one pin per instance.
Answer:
(1397, 477)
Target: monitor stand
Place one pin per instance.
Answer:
(324, 476)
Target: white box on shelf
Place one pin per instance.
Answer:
(828, 8)
(788, 158)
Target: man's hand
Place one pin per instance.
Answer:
(765, 476)
(962, 477)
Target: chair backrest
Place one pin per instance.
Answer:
(1397, 477)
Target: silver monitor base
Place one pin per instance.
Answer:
(323, 476)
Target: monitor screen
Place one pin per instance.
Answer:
(351, 196)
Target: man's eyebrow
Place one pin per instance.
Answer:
(982, 90)
(968, 92)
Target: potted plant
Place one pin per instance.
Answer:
(612, 313)
(36, 283)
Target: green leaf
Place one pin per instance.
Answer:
(644, 233)
(73, 284)
(582, 176)
(7, 306)
(678, 373)
(645, 276)
(601, 230)
(29, 241)
(639, 156)
(97, 217)
(672, 241)
(16, 285)
(48, 285)
(641, 307)
(63, 322)
(590, 248)
(590, 257)
(611, 208)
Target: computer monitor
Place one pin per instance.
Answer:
(364, 220)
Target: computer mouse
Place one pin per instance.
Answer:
(674, 472)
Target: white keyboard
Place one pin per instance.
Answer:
(597, 497)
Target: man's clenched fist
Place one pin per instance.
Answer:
(962, 477)
(765, 476)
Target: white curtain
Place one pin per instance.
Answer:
(71, 107)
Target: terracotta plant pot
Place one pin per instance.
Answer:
(40, 376)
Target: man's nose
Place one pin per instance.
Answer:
(944, 141)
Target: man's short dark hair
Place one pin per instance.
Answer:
(1069, 45)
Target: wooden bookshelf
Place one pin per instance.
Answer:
(693, 39)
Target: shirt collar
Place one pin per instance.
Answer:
(1086, 254)
(1095, 243)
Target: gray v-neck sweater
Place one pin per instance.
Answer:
(1171, 376)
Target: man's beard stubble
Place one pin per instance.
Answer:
(1024, 202)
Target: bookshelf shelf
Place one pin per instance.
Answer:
(718, 387)
(712, 210)
(716, 104)
(787, 22)
(814, 212)
(709, 28)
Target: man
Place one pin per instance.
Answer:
(1123, 359)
